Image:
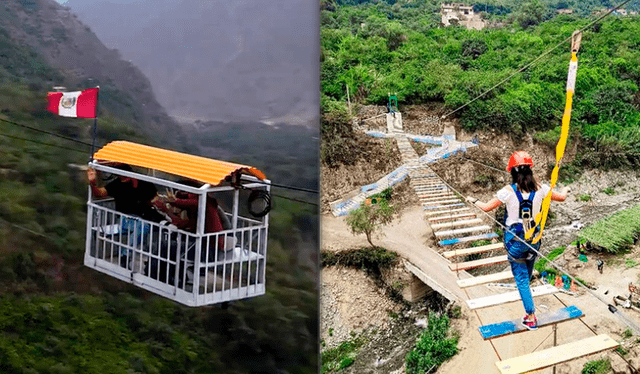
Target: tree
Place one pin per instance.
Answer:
(369, 218)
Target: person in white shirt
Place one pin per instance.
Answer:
(523, 200)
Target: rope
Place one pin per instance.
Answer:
(612, 308)
(42, 143)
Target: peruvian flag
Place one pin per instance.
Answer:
(80, 104)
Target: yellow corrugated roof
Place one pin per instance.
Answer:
(202, 169)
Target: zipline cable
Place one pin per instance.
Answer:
(43, 143)
(46, 132)
(294, 188)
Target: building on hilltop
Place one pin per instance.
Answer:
(565, 11)
(459, 13)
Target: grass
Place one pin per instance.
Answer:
(342, 356)
(614, 233)
(584, 197)
(629, 263)
(436, 344)
(597, 367)
(541, 265)
(609, 191)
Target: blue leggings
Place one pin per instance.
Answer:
(522, 271)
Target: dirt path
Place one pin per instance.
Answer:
(407, 237)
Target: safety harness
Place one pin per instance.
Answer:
(525, 212)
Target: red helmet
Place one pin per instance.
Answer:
(519, 158)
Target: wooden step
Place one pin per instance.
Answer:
(496, 330)
(441, 197)
(508, 297)
(440, 202)
(445, 206)
(478, 263)
(466, 239)
(472, 250)
(451, 217)
(466, 230)
(437, 226)
(556, 355)
(430, 188)
(476, 281)
(434, 194)
(445, 212)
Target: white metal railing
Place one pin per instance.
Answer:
(188, 268)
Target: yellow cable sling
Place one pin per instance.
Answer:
(541, 218)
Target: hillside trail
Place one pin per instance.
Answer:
(408, 236)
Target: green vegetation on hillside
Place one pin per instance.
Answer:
(614, 233)
(379, 48)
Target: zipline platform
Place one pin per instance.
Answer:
(556, 355)
(515, 326)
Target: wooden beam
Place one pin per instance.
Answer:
(466, 230)
(474, 221)
(496, 330)
(508, 297)
(476, 281)
(455, 216)
(442, 206)
(447, 211)
(465, 239)
(472, 250)
(478, 263)
(556, 355)
(439, 202)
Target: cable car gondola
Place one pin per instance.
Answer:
(194, 267)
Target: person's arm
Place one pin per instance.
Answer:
(488, 206)
(96, 191)
(560, 196)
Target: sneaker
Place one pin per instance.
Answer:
(531, 325)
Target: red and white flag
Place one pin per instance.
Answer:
(80, 104)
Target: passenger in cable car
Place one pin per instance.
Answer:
(215, 218)
(133, 197)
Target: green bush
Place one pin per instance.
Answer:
(597, 367)
(616, 232)
(369, 218)
(435, 345)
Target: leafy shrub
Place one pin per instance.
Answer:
(597, 367)
(369, 218)
(435, 345)
(616, 232)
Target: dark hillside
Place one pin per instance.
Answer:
(69, 46)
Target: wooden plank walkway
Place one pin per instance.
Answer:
(556, 355)
(473, 250)
(476, 281)
(496, 330)
(508, 297)
(478, 263)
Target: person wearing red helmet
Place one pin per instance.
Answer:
(523, 200)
